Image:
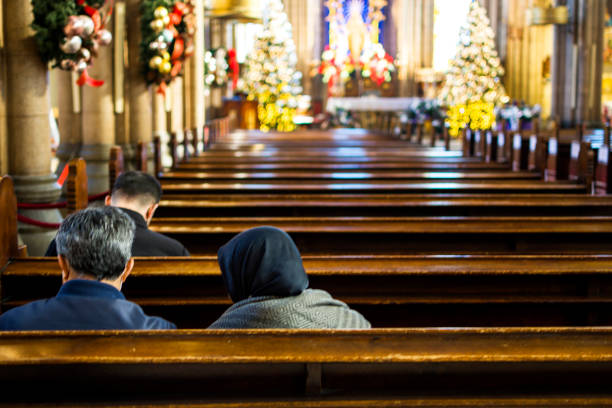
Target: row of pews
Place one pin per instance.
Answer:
(487, 286)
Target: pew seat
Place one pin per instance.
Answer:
(566, 365)
(193, 205)
(391, 291)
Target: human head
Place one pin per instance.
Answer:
(96, 243)
(262, 261)
(136, 191)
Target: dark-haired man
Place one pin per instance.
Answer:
(94, 247)
(138, 195)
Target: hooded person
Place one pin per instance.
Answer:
(263, 273)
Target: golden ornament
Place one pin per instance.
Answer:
(165, 67)
(160, 12)
(155, 62)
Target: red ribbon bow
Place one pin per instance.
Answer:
(94, 13)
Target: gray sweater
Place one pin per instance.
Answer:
(312, 309)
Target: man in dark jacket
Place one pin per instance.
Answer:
(94, 248)
(138, 195)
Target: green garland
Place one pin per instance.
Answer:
(69, 33)
(50, 17)
(150, 36)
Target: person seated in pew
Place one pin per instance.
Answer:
(263, 273)
(138, 195)
(94, 247)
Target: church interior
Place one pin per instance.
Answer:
(440, 165)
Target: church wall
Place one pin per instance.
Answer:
(3, 130)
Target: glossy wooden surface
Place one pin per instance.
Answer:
(439, 225)
(297, 365)
(8, 226)
(333, 176)
(391, 291)
(416, 186)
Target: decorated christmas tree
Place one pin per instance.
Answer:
(472, 81)
(272, 78)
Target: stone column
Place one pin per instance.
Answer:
(98, 122)
(68, 119)
(176, 118)
(27, 101)
(196, 82)
(140, 115)
(577, 63)
(3, 134)
(160, 127)
(304, 17)
(217, 39)
(414, 41)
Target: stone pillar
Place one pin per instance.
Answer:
(68, 119)
(27, 102)
(196, 82)
(414, 41)
(98, 122)
(497, 11)
(176, 118)
(577, 63)
(217, 39)
(3, 134)
(140, 115)
(304, 17)
(160, 127)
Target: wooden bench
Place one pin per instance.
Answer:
(303, 205)
(351, 235)
(391, 291)
(393, 367)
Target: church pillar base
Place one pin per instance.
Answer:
(96, 156)
(37, 189)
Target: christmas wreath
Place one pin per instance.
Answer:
(219, 65)
(167, 28)
(70, 32)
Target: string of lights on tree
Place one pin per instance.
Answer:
(473, 87)
(271, 78)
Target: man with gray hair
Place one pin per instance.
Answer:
(94, 253)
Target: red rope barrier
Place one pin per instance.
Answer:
(42, 224)
(34, 206)
(98, 196)
(31, 206)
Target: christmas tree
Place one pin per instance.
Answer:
(272, 78)
(472, 80)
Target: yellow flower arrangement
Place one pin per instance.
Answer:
(479, 115)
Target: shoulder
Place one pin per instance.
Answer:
(21, 317)
(151, 243)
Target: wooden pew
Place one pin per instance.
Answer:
(392, 165)
(391, 291)
(9, 246)
(400, 367)
(354, 235)
(603, 175)
(333, 176)
(373, 186)
(193, 205)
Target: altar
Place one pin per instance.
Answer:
(373, 104)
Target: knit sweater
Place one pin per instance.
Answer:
(312, 309)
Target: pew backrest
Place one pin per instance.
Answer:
(8, 226)
(298, 364)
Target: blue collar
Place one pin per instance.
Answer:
(89, 288)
